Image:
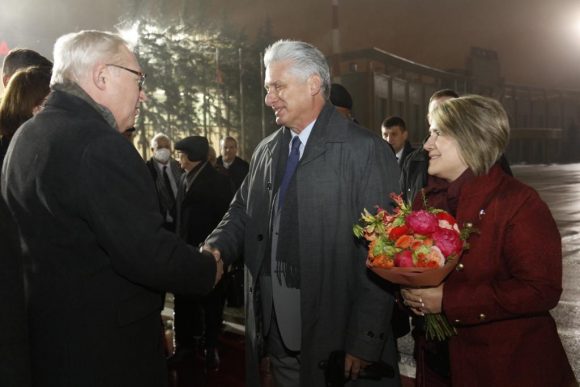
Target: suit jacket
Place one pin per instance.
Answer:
(237, 170)
(98, 257)
(202, 207)
(500, 295)
(177, 172)
(407, 150)
(344, 168)
(14, 355)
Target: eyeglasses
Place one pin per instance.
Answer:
(142, 76)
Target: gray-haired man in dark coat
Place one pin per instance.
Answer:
(97, 257)
(309, 291)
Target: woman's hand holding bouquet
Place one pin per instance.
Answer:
(415, 249)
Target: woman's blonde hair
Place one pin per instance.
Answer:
(480, 126)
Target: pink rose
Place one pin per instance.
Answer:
(448, 241)
(404, 259)
(422, 222)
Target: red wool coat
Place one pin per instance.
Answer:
(501, 292)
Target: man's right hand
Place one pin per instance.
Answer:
(219, 272)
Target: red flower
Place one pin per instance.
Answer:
(404, 259)
(448, 241)
(396, 232)
(446, 216)
(422, 222)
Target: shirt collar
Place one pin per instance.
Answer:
(303, 136)
(400, 153)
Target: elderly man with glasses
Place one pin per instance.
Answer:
(97, 259)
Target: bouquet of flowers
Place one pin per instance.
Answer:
(414, 249)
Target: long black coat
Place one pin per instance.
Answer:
(344, 169)
(99, 257)
(14, 356)
(204, 204)
(237, 171)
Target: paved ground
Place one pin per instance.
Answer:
(559, 186)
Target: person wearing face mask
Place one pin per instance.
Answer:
(166, 173)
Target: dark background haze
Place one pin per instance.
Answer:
(538, 41)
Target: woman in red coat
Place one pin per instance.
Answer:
(500, 294)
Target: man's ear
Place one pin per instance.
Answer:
(100, 76)
(314, 84)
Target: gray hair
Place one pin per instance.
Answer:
(305, 59)
(155, 139)
(76, 53)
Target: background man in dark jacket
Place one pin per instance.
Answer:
(394, 131)
(203, 199)
(97, 257)
(229, 163)
(310, 292)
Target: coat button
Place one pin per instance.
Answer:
(459, 267)
(482, 316)
(370, 334)
(260, 238)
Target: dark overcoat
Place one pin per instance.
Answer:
(98, 258)
(204, 204)
(500, 295)
(344, 168)
(177, 172)
(407, 150)
(14, 356)
(237, 170)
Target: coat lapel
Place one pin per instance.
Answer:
(276, 156)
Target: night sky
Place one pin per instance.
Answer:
(536, 40)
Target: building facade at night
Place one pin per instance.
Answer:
(544, 122)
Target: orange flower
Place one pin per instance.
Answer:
(416, 245)
(404, 241)
(381, 261)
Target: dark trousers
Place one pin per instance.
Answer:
(197, 316)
